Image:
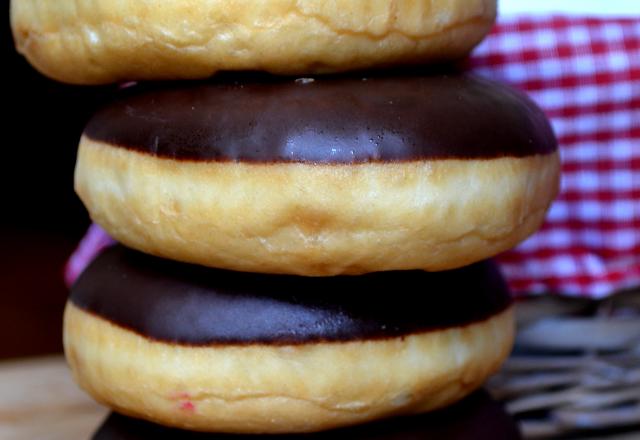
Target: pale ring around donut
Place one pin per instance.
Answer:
(317, 220)
(277, 389)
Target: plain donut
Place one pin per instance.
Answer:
(103, 41)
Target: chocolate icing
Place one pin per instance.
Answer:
(194, 305)
(345, 119)
(477, 417)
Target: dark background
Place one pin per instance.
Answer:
(42, 219)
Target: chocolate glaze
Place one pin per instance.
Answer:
(193, 305)
(477, 417)
(344, 119)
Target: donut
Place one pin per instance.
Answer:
(477, 417)
(95, 42)
(321, 177)
(212, 350)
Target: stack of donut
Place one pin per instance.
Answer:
(298, 253)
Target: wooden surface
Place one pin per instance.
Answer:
(38, 400)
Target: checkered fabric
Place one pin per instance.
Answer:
(585, 73)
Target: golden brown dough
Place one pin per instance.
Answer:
(273, 389)
(316, 219)
(103, 41)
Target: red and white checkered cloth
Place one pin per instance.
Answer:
(585, 73)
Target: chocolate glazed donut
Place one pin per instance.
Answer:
(193, 305)
(339, 120)
(249, 353)
(337, 175)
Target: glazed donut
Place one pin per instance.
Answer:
(93, 42)
(211, 350)
(477, 417)
(344, 175)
